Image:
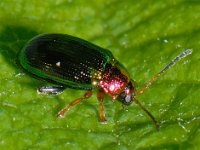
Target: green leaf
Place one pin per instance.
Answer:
(143, 35)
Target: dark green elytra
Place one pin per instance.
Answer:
(64, 59)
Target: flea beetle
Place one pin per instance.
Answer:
(68, 61)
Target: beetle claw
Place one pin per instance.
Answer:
(60, 115)
(104, 122)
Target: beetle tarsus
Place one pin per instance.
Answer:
(60, 115)
(103, 122)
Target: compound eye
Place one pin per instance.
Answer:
(128, 99)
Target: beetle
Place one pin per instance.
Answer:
(68, 61)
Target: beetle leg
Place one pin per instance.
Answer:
(102, 114)
(50, 89)
(73, 103)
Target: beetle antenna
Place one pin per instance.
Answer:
(173, 62)
(149, 114)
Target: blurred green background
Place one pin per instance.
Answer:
(143, 35)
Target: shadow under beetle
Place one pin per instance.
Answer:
(72, 62)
